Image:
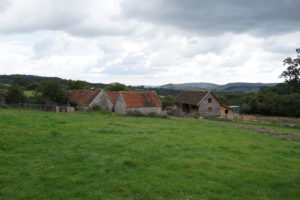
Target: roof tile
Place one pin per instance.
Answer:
(141, 99)
(83, 97)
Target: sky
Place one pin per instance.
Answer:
(155, 42)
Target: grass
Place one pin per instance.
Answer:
(267, 125)
(104, 156)
(29, 93)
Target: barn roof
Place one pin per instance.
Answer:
(141, 99)
(113, 96)
(83, 97)
(192, 97)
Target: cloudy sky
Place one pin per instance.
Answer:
(149, 42)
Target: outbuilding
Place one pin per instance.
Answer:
(140, 102)
(84, 99)
(203, 102)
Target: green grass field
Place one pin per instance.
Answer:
(266, 125)
(104, 156)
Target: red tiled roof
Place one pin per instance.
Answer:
(113, 96)
(82, 97)
(141, 99)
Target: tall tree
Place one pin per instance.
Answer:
(77, 85)
(117, 87)
(15, 94)
(292, 72)
(52, 91)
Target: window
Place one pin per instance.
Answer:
(226, 111)
(209, 109)
(209, 100)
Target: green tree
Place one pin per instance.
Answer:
(117, 87)
(167, 100)
(19, 81)
(77, 85)
(15, 94)
(52, 91)
(292, 73)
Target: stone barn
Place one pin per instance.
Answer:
(142, 102)
(203, 102)
(107, 100)
(2, 99)
(84, 99)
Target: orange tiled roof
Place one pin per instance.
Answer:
(82, 97)
(113, 96)
(141, 99)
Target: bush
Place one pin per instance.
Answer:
(197, 115)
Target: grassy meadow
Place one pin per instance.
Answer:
(92, 155)
(280, 127)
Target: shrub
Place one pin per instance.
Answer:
(197, 115)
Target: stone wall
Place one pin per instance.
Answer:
(145, 110)
(205, 105)
(120, 107)
(82, 108)
(103, 101)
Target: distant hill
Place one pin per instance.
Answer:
(7, 79)
(238, 87)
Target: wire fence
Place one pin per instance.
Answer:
(31, 106)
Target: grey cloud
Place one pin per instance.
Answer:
(219, 16)
(76, 17)
(4, 5)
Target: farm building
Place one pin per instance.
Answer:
(142, 102)
(107, 100)
(2, 99)
(84, 99)
(227, 112)
(203, 102)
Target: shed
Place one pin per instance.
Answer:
(142, 102)
(203, 102)
(84, 99)
(227, 112)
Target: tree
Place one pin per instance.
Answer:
(77, 85)
(167, 100)
(15, 94)
(116, 87)
(52, 91)
(292, 73)
(19, 81)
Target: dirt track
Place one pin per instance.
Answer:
(290, 136)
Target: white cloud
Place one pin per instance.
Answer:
(93, 41)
